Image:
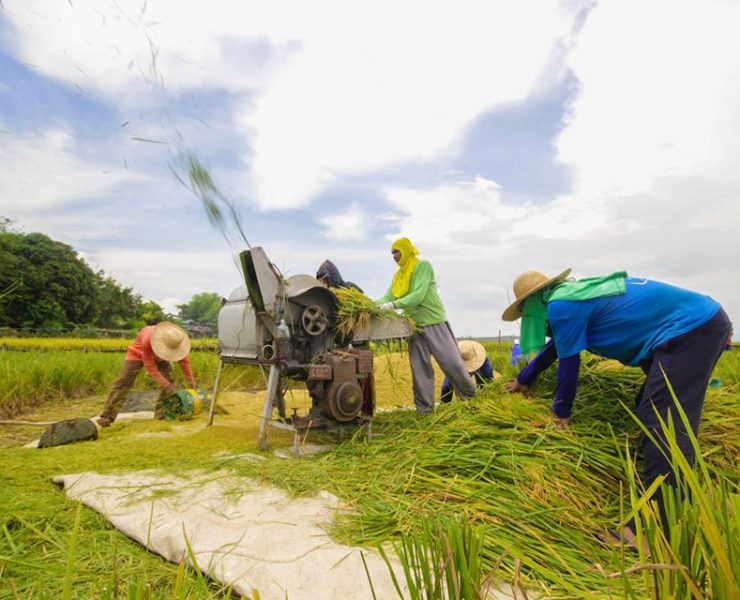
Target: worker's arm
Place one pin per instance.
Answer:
(565, 392)
(485, 372)
(446, 394)
(387, 297)
(150, 364)
(187, 371)
(538, 364)
(420, 282)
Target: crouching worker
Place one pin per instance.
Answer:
(653, 325)
(154, 348)
(329, 275)
(477, 364)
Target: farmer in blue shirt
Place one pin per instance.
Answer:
(476, 363)
(640, 322)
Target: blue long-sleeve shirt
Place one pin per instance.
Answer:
(626, 327)
(568, 371)
(482, 375)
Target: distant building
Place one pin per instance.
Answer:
(197, 330)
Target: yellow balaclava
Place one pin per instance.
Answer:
(406, 266)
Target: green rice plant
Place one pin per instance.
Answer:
(86, 344)
(357, 310)
(496, 462)
(697, 550)
(545, 496)
(30, 379)
(442, 560)
(69, 572)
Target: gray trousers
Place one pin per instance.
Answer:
(437, 341)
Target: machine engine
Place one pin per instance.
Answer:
(290, 326)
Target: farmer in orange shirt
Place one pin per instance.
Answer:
(154, 348)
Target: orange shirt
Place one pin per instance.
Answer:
(141, 350)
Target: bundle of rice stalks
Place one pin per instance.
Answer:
(183, 404)
(356, 310)
(544, 496)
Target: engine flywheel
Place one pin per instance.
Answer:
(346, 402)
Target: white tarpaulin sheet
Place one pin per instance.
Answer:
(242, 534)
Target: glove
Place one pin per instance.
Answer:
(387, 306)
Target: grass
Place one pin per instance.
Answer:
(86, 344)
(533, 496)
(31, 379)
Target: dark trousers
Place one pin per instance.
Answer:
(122, 385)
(688, 362)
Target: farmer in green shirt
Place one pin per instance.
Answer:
(414, 290)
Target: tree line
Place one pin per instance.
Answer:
(46, 286)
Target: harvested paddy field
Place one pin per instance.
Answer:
(533, 499)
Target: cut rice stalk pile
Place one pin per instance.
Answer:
(543, 495)
(356, 310)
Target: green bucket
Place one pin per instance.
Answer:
(184, 404)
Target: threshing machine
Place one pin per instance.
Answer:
(290, 325)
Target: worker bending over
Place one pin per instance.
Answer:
(477, 364)
(640, 322)
(154, 348)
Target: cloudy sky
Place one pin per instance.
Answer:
(498, 136)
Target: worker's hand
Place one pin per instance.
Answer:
(560, 422)
(171, 388)
(515, 386)
(387, 306)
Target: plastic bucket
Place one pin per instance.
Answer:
(192, 402)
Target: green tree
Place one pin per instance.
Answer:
(150, 313)
(117, 307)
(202, 308)
(52, 286)
(44, 284)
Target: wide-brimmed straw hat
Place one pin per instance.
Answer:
(473, 354)
(170, 342)
(527, 284)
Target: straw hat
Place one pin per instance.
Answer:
(170, 342)
(527, 284)
(473, 354)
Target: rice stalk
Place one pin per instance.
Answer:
(356, 310)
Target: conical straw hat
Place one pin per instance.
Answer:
(170, 341)
(525, 285)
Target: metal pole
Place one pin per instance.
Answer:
(215, 393)
(272, 386)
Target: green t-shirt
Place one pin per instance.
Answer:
(422, 302)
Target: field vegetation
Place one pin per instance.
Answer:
(492, 477)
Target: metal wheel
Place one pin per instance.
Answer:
(346, 401)
(314, 320)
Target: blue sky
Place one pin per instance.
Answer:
(500, 137)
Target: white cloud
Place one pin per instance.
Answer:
(342, 88)
(170, 274)
(659, 84)
(120, 48)
(444, 214)
(169, 305)
(42, 172)
(346, 226)
(379, 84)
